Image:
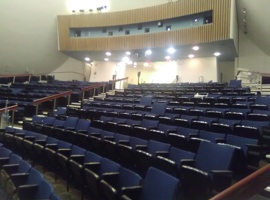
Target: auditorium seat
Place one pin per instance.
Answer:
(208, 172)
(112, 186)
(157, 185)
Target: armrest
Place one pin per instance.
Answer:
(144, 153)
(65, 151)
(70, 128)
(188, 162)
(92, 166)
(30, 138)
(219, 140)
(77, 158)
(110, 178)
(221, 179)
(27, 191)
(141, 147)
(253, 147)
(4, 160)
(95, 135)
(41, 142)
(123, 142)
(165, 159)
(193, 135)
(19, 178)
(19, 134)
(10, 168)
(52, 146)
(110, 138)
(131, 192)
(82, 131)
(163, 154)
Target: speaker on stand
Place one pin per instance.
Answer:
(139, 74)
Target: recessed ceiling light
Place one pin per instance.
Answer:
(217, 54)
(146, 64)
(195, 48)
(129, 62)
(148, 52)
(106, 59)
(125, 59)
(191, 56)
(87, 59)
(135, 64)
(128, 53)
(108, 53)
(167, 57)
(171, 50)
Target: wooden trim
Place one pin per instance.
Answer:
(218, 30)
(9, 108)
(52, 97)
(93, 87)
(247, 187)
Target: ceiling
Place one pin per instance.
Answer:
(22, 50)
(257, 31)
(226, 49)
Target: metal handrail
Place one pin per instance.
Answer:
(247, 187)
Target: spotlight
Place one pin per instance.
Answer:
(171, 50)
(148, 52)
(217, 54)
(195, 48)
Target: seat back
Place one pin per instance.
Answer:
(128, 178)
(211, 156)
(146, 100)
(146, 123)
(44, 191)
(159, 185)
(24, 167)
(107, 165)
(35, 177)
(154, 146)
(159, 108)
(83, 124)
(4, 152)
(71, 122)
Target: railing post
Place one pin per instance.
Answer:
(94, 93)
(36, 109)
(54, 104)
(83, 95)
(12, 118)
(68, 99)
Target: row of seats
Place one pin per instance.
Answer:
(103, 178)
(104, 136)
(20, 180)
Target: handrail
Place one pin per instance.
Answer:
(121, 79)
(247, 187)
(9, 108)
(12, 76)
(94, 86)
(52, 97)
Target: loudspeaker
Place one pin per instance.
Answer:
(113, 77)
(139, 74)
(177, 78)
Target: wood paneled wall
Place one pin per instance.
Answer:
(218, 30)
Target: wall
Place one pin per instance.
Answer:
(251, 56)
(227, 70)
(188, 70)
(234, 25)
(72, 70)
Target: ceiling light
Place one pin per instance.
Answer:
(217, 54)
(148, 52)
(129, 62)
(171, 50)
(146, 64)
(135, 63)
(108, 53)
(87, 59)
(191, 56)
(128, 53)
(134, 66)
(167, 57)
(125, 59)
(195, 48)
(106, 59)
